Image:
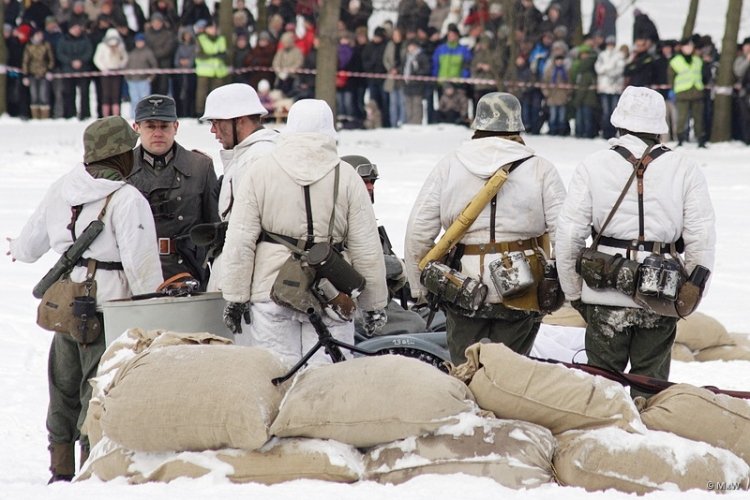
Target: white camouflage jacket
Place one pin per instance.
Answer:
(271, 197)
(128, 236)
(527, 204)
(676, 203)
(237, 162)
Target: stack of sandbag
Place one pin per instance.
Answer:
(551, 395)
(278, 461)
(412, 419)
(699, 414)
(370, 401)
(126, 347)
(186, 405)
(701, 337)
(601, 459)
(513, 453)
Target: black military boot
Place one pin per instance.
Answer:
(62, 462)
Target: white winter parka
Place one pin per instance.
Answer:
(676, 203)
(237, 161)
(271, 197)
(129, 235)
(527, 204)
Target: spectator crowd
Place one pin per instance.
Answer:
(432, 64)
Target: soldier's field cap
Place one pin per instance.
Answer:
(156, 107)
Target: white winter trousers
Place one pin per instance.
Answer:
(290, 334)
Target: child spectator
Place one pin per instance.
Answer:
(557, 93)
(141, 57)
(38, 61)
(453, 106)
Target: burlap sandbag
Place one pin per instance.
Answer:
(372, 400)
(700, 331)
(740, 351)
(699, 414)
(601, 459)
(193, 397)
(553, 396)
(127, 346)
(565, 316)
(280, 460)
(515, 454)
(681, 352)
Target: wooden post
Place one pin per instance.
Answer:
(327, 58)
(722, 120)
(689, 27)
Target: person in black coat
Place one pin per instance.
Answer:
(641, 70)
(644, 27)
(372, 62)
(74, 54)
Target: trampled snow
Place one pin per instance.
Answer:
(34, 154)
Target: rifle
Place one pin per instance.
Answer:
(641, 382)
(68, 259)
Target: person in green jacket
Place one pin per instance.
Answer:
(210, 64)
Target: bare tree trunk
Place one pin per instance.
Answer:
(577, 38)
(327, 57)
(3, 59)
(262, 22)
(509, 14)
(226, 28)
(722, 120)
(690, 21)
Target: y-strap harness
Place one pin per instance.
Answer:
(640, 244)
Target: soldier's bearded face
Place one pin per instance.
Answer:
(157, 137)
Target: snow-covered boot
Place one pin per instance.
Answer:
(62, 462)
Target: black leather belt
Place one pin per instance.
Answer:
(646, 246)
(107, 266)
(265, 236)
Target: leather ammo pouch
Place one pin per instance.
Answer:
(70, 307)
(605, 271)
(292, 287)
(549, 292)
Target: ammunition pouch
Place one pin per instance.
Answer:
(453, 287)
(549, 292)
(659, 283)
(691, 291)
(70, 307)
(605, 271)
(292, 287)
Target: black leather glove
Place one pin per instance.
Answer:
(374, 321)
(234, 312)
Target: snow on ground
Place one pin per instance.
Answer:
(34, 154)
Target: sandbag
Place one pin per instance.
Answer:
(740, 351)
(565, 316)
(513, 453)
(681, 352)
(600, 459)
(124, 348)
(699, 414)
(551, 395)
(372, 400)
(280, 460)
(193, 397)
(700, 331)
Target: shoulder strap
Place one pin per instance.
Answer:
(510, 167)
(636, 166)
(335, 198)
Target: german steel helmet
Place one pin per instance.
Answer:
(498, 112)
(107, 137)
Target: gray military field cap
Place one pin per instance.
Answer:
(498, 112)
(156, 107)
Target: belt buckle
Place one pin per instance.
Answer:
(165, 246)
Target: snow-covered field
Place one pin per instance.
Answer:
(33, 154)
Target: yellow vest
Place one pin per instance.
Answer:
(211, 64)
(687, 76)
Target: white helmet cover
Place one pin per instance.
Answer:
(232, 101)
(641, 109)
